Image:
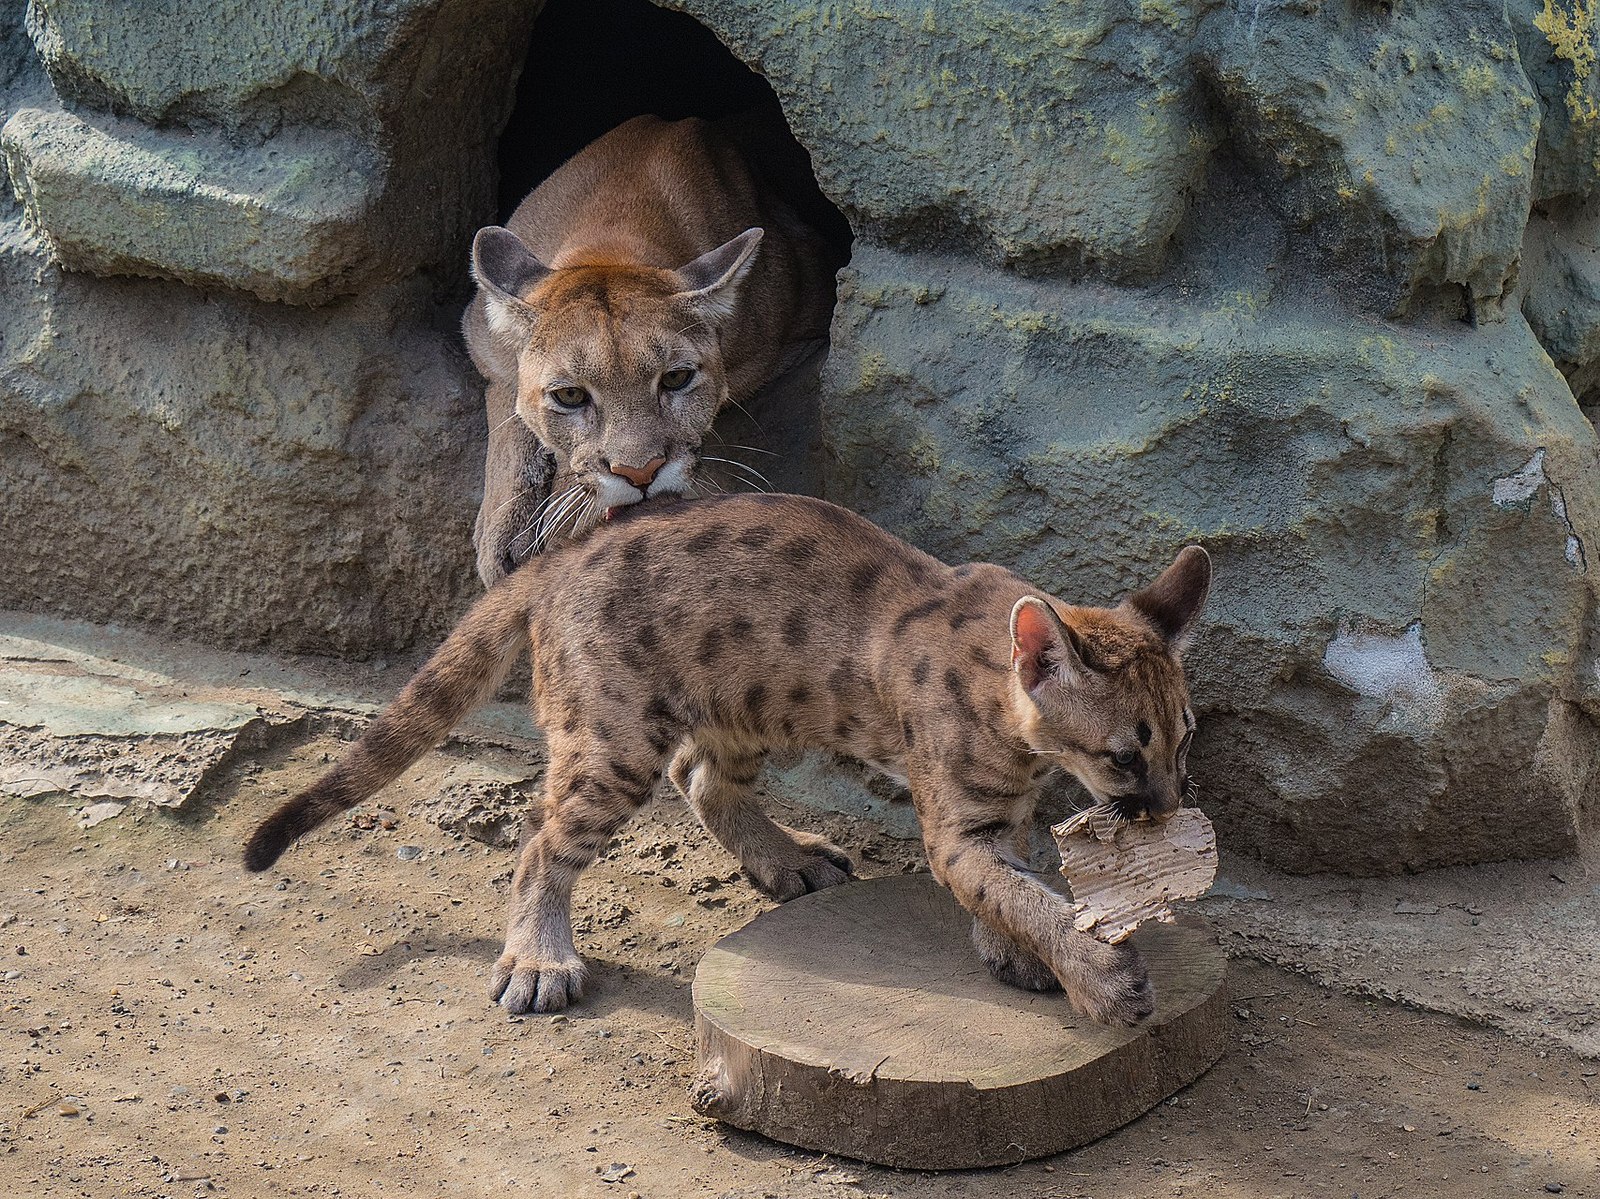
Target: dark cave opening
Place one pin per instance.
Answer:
(593, 64)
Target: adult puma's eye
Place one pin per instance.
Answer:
(677, 380)
(1125, 758)
(569, 397)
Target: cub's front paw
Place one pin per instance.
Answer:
(528, 985)
(1112, 986)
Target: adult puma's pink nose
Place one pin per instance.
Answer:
(639, 476)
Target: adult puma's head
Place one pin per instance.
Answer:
(1102, 690)
(619, 367)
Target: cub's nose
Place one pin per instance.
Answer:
(639, 476)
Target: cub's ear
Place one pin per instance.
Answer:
(506, 269)
(711, 280)
(1043, 648)
(1173, 602)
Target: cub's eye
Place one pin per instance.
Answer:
(1125, 758)
(569, 397)
(677, 380)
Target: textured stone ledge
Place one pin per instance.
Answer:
(284, 220)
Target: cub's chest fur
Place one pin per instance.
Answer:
(653, 279)
(692, 639)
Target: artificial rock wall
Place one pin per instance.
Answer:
(1314, 283)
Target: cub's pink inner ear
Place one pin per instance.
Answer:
(1038, 646)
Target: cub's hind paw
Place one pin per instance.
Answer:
(527, 985)
(821, 864)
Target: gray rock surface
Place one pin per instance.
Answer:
(115, 198)
(244, 472)
(352, 140)
(1510, 946)
(78, 726)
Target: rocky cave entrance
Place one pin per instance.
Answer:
(593, 64)
(608, 60)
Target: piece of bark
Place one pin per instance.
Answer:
(860, 1021)
(1123, 873)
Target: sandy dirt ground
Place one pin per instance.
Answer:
(175, 1027)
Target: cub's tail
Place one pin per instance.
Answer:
(462, 674)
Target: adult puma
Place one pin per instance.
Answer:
(651, 280)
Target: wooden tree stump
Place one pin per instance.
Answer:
(859, 1021)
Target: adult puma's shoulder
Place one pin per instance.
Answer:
(656, 276)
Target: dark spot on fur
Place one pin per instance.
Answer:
(980, 657)
(630, 777)
(602, 730)
(789, 729)
(957, 687)
(710, 646)
(432, 690)
(794, 629)
(986, 830)
(756, 538)
(578, 782)
(961, 618)
(755, 700)
(573, 859)
(799, 694)
(919, 672)
(739, 628)
(951, 858)
(980, 893)
(843, 728)
(962, 572)
(570, 724)
(984, 791)
(1143, 732)
(864, 577)
(634, 553)
(647, 638)
(906, 734)
(705, 539)
(799, 552)
(911, 615)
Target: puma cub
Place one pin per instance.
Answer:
(648, 282)
(693, 638)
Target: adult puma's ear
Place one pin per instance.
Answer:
(711, 280)
(1043, 647)
(1173, 602)
(506, 269)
